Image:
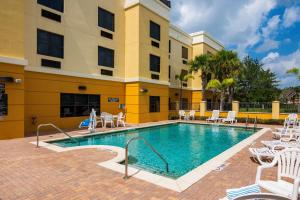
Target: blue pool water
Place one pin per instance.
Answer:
(184, 146)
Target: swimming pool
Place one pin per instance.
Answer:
(184, 146)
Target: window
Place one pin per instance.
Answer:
(154, 105)
(184, 104)
(155, 76)
(184, 72)
(50, 63)
(54, 4)
(154, 63)
(169, 71)
(155, 44)
(185, 53)
(76, 105)
(106, 72)
(106, 19)
(169, 46)
(50, 44)
(154, 30)
(106, 57)
(184, 62)
(51, 15)
(107, 35)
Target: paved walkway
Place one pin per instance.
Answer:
(30, 173)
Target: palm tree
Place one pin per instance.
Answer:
(295, 71)
(202, 63)
(226, 65)
(221, 88)
(182, 77)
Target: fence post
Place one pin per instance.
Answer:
(236, 107)
(202, 108)
(275, 109)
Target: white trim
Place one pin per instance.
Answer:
(154, 5)
(146, 80)
(75, 74)
(185, 88)
(178, 34)
(14, 61)
(203, 37)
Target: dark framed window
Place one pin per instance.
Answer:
(154, 63)
(106, 72)
(3, 104)
(106, 57)
(184, 103)
(106, 19)
(77, 105)
(51, 15)
(155, 76)
(169, 71)
(185, 53)
(170, 46)
(50, 63)
(106, 35)
(184, 62)
(184, 72)
(155, 44)
(50, 44)
(154, 30)
(54, 4)
(154, 104)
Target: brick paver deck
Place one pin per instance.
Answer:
(30, 173)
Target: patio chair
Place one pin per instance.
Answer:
(292, 120)
(214, 117)
(121, 119)
(288, 162)
(192, 114)
(230, 118)
(108, 119)
(90, 123)
(263, 154)
(284, 133)
(182, 114)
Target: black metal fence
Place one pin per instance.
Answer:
(184, 106)
(256, 107)
(227, 106)
(289, 107)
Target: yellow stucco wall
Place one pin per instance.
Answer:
(12, 125)
(81, 33)
(137, 102)
(42, 98)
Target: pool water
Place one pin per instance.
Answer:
(184, 146)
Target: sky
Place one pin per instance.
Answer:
(268, 30)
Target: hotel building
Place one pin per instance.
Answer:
(60, 58)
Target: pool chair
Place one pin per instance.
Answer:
(182, 114)
(292, 143)
(192, 114)
(284, 133)
(214, 117)
(108, 119)
(90, 123)
(291, 120)
(230, 118)
(287, 163)
(121, 119)
(263, 154)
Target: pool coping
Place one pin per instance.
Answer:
(180, 184)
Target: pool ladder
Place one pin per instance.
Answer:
(150, 146)
(55, 127)
(254, 124)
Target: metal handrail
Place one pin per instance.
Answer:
(55, 127)
(247, 123)
(150, 146)
(255, 123)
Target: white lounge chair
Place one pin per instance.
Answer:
(108, 119)
(288, 162)
(192, 114)
(230, 118)
(262, 154)
(214, 117)
(272, 144)
(182, 114)
(284, 133)
(121, 119)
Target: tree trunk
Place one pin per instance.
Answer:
(222, 101)
(230, 96)
(204, 84)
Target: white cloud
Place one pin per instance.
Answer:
(280, 65)
(291, 16)
(271, 27)
(234, 23)
(267, 45)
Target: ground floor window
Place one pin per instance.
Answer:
(76, 105)
(154, 105)
(184, 104)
